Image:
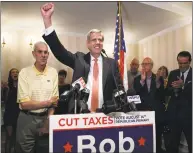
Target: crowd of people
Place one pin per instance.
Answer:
(169, 95)
(32, 95)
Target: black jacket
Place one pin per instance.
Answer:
(152, 100)
(180, 106)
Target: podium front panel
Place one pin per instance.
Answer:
(97, 132)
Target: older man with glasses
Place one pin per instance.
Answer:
(151, 90)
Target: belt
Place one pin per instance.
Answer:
(35, 114)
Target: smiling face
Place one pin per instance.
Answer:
(95, 43)
(184, 63)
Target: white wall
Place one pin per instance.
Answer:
(162, 47)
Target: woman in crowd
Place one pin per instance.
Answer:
(4, 91)
(163, 71)
(62, 105)
(11, 110)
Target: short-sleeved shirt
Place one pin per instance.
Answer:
(37, 86)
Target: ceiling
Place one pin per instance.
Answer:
(142, 19)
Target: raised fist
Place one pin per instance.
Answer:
(47, 10)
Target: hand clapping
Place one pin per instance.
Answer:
(178, 84)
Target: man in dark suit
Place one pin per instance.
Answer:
(99, 72)
(151, 90)
(179, 87)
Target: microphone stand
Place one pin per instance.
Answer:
(117, 87)
(76, 99)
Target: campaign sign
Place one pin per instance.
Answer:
(120, 132)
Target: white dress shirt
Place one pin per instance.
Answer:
(89, 84)
(48, 31)
(185, 74)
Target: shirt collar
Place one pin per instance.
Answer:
(40, 73)
(149, 77)
(186, 71)
(99, 58)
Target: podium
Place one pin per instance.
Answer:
(97, 132)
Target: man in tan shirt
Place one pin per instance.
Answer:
(37, 97)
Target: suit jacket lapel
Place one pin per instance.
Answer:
(145, 86)
(189, 76)
(105, 71)
(86, 66)
(152, 85)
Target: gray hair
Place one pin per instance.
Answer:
(94, 31)
(38, 43)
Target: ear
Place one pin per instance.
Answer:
(87, 43)
(33, 53)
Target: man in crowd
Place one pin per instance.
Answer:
(179, 87)
(100, 73)
(37, 97)
(133, 72)
(151, 90)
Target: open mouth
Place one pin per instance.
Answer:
(15, 77)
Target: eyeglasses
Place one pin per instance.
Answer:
(144, 64)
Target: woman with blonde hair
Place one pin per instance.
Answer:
(163, 72)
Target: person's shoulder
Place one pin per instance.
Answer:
(138, 77)
(78, 53)
(51, 69)
(174, 71)
(138, 73)
(109, 59)
(26, 69)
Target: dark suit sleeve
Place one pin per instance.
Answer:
(137, 85)
(160, 91)
(168, 90)
(59, 51)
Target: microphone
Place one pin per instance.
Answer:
(119, 96)
(115, 104)
(117, 86)
(108, 107)
(79, 84)
(132, 98)
(76, 86)
(83, 100)
(103, 51)
(65, 95)
(99, 110)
